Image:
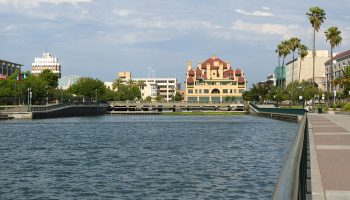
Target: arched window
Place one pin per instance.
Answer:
(215, 91)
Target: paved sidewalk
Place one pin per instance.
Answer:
(331, 140)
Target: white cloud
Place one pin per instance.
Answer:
(122, 13)
(254, 13)
(265, 8)
(35, 3)
(284, 31)
(8, 28)
(163, 24)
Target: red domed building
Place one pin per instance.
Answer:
(214, 81)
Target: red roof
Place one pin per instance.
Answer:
(191, 72)
(228, 73)
(238, 71)
(190, 81)
(339, 55)
(241, 80)
(210, 62)
(205, 76)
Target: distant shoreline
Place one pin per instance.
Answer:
(204, 113)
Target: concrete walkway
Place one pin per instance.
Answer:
(330, 156)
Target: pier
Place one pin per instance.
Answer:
(157, 107)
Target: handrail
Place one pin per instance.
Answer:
(292, 180)
(63, 106)
(279, 110)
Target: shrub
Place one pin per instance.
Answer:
(346, 107)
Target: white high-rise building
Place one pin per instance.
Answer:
(153, 87)
(48, 61)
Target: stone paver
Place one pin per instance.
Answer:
(331, 140)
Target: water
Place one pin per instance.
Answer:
(143, 157)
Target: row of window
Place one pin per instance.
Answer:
(216, 83)
(206, 91)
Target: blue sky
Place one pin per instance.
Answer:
(100, 38)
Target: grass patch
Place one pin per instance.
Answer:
(203, 113)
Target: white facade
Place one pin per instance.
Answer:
(306, 68)
(109, 85)
(164, 87)
(48, 61)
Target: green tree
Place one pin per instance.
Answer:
(148, 99)
(302, 51)
(344, 80)
(333, 36)
(50, 78)
(116, 84)
(88, 88)
(293, 45)
(316, 17)
(159, 98)
(178, 96)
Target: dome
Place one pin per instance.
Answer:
(66, 81)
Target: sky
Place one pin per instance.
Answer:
(98, 38)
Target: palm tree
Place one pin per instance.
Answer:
(302, 51)
(283, 51)
(293, 44)
(116, 84)
(279, 52)
(334, 38)
(316, 17)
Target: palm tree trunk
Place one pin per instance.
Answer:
(278, 71)
(282, 70)
(313, 65)
(293, 69)
(331, 75)
(313, 59)
(299, 69)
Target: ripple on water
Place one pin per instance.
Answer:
(143, 157)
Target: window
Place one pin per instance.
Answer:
(196, 91)
(190, 91)
(225, 90)
(206, 91)
(200, 91)
(231, 91)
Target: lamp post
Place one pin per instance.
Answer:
(96, 94)
(30, 94)
(47, 97)
(61, 95)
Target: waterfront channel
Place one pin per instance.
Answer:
(143, 157)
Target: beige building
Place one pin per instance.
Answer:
(214, 81)
(306, 68)
(48, 61)
(124, 76)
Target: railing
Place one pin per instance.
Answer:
(293, 179)
(63, 106)
(278, 110)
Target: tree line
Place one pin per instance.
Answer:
(44, 89)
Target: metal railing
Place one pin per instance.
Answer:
(288, 111)
(293, 180)
(63, 106)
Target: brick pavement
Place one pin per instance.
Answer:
(330, 141)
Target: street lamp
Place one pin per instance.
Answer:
(30, 94)
(96, 94)
(61, 95)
